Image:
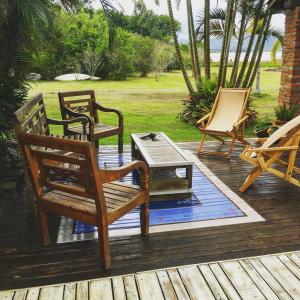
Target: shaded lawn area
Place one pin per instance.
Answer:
(149, 105)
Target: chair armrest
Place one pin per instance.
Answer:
(75, 114)
(273, 149)
(242, 120)
(109, 175)
(201, 121)
(82, 120)
(106, 109)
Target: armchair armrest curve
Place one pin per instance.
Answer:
(203, 119)
(109, 175)
(106, 109)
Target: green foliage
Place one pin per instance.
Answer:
(285, 112)
(146, 23)
(120, 59)
(143, 49)
(192, 111)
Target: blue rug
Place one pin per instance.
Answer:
(212, 203)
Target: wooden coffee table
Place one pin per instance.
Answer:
(165, 160)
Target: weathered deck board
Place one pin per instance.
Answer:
(243, 281)
(24, 262)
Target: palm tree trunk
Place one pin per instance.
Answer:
(257, 47)
(229, 26)
(257, 87)
(250, 45)
(206, 39)
(194, 43)
(239, 48)
(191, 47)
(261, 50)
(178, 52)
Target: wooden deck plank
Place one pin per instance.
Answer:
(212, 282)
(224, 282)
(240, 280)
(70, 291)
(118, 288)
(269, 279)
(283, 275)
(265, 277)
(130, 287)
(258, 280)
(195, 283)
(52, 292)
(178, 285)
(148, 286)
(166, 285)
(101, 289)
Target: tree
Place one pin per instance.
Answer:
(91, 60)
(143, 49)
(146, 23)
(161, 57)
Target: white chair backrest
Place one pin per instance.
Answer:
(230, 106)
(281, 132)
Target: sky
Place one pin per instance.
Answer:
(180, 14)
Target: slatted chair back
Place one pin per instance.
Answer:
(230, 106)
(70, 167)
(78, 101)
(31, 118)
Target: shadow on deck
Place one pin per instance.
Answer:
(24, 262)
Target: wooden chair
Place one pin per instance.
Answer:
(73, 186)
(268, 157)
(227, 119)
(32, 118)
(77, 103)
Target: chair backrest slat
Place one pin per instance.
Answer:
(68, 167)
(79, 101)
(31, 117)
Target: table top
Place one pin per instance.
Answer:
(162, 152)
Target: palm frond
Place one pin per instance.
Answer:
(275, 48)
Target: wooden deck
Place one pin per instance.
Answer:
(24, 262)
(265, 277)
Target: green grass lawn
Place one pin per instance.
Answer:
(149, 105)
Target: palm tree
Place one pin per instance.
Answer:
(206, 39)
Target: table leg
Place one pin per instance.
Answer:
(189, 176)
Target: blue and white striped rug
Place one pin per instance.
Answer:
(212, 203)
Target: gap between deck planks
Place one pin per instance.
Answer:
(275, 276)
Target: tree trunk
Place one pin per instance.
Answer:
(194, 44)
(207, 39)
(191, 46)
(230, 20)
(257, 64)
(256, 50)
(178, 53)
(257, 87)
(239, 48)
(250, 45)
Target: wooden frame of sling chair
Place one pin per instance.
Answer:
(264, 158)
(237, 132)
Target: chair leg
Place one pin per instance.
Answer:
(97, 144)
(120, 143)
(251, 178)
(144, 217)
(43, 226)
(104, 247)
(230, 147)
(201, 143)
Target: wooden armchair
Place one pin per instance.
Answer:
(77, 104)
(32, 118)
(268, 157)
(227, 119)
(73, 186)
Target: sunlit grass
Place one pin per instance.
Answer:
(150, 105)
